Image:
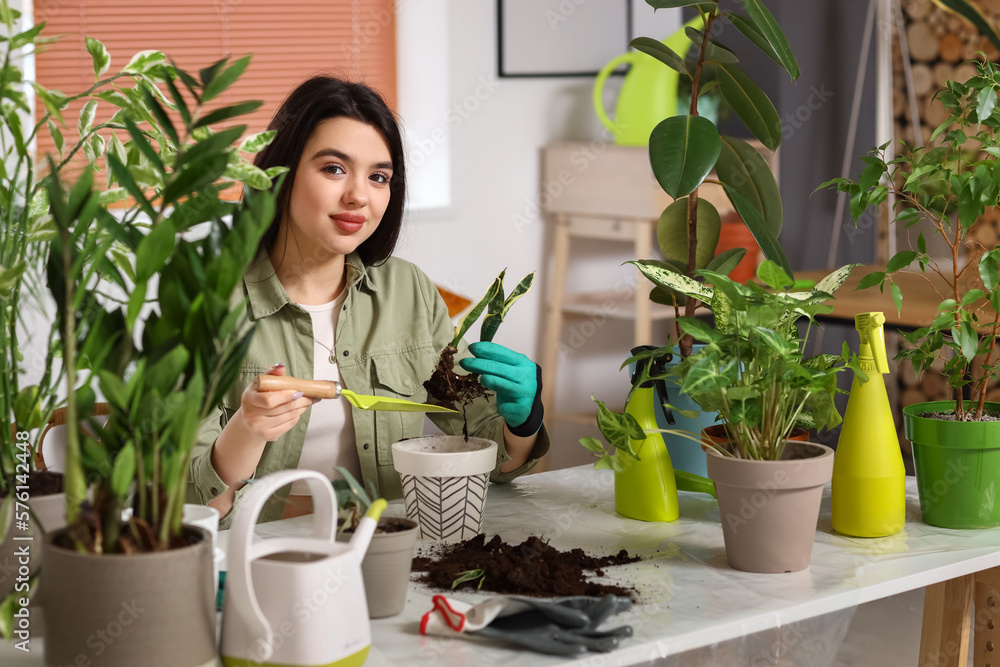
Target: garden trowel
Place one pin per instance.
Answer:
(332, 389)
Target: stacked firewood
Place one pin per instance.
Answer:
(940, 43)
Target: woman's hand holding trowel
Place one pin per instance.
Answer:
(267, 415)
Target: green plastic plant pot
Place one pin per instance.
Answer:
(957, 466)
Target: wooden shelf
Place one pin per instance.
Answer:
(611, 304)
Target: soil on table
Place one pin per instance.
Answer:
(42, 483)
(534, 568)
(449, 389)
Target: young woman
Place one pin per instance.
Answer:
(329, 302)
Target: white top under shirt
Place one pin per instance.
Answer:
(329, 440)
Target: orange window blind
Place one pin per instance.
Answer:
(290, 40)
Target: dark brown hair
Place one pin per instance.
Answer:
(316, 100)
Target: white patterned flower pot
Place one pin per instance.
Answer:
(444, 483)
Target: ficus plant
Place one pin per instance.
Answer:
(144, 301)
(685, 149)
(950, 184)
(752, 369)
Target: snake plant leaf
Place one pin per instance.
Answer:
(974, 15)
(744, 169)
(672, 232)
(498, 307)
(663, 275)
(753, 33)
(768, 27)
(751, 104)
(726, 260)
(682, 152)
(661, 52)
(470, 317)
(754, 221)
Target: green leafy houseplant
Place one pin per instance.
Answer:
(949, 184)
(143, 301)
(685, 149)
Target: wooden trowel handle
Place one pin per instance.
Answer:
(311, 388)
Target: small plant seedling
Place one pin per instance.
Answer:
(470, 575)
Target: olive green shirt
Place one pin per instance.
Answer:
(391, 330)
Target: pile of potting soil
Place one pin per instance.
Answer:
(533, 568)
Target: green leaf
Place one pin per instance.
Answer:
(57, 136)
(143, 61)
(469, 575)
(672, 232)
(248, 174)
(989, 269)
(727, 260)
(661, 52)
(220, 82)
(225, 113)
(751, 32)
(743, 168)
(663, 276)
(123, 471)
(470, 317)
(666, 4)
(872, 279)
(897, 296)
(900, 260)
(28, 408)
(972, 296)
(752, 218)
(619, 429)
(154, 250)
(593, 444)
(99, 55)
(23, 39)
(682, 152)
(86, 120)
(772, 275)
(968, 341)
(921, 243)
(701, 331)
(496, 313)
(751, 105)
(768, 27)
(714, 52)
(161, 116)
(258, 142)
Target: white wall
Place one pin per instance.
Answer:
(497, 127)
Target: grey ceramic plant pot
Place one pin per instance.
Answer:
(769, 509)
(386, 567)
(152, 609)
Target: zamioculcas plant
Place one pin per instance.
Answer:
(685, 149)
(144, 306)
(447, 387)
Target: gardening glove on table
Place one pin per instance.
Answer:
(517, 381)
(559, 627)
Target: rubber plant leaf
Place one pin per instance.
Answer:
(768, 27)
(672, 232)
(661, 52)
(751, 104)
(498, 307)
(470, 318)
(667, 4)
(682, 152)
(753, 33)
(726, 260)
(972, 13)
(744, 169)
(758, 227)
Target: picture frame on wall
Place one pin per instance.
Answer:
(546, 38)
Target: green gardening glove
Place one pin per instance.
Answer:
(517, 381)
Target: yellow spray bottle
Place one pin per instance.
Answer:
(869, 480)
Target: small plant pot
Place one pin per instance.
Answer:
(150, 609)
(957, 466)
(386, 565)
(717, 433)
(769, 509)
(444, 481)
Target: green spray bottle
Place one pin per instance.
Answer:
(647, 488)
(869, 480)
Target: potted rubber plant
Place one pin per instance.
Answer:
(752, 371)
(146, 316)
(949, 185)
(687, 153)
(386, 565)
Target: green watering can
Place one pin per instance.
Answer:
(648, 93)
(647, 489)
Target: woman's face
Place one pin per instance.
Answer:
(341, 188)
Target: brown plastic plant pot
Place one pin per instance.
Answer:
(115, 610)
(769, 509)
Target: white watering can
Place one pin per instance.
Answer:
(294, 601)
